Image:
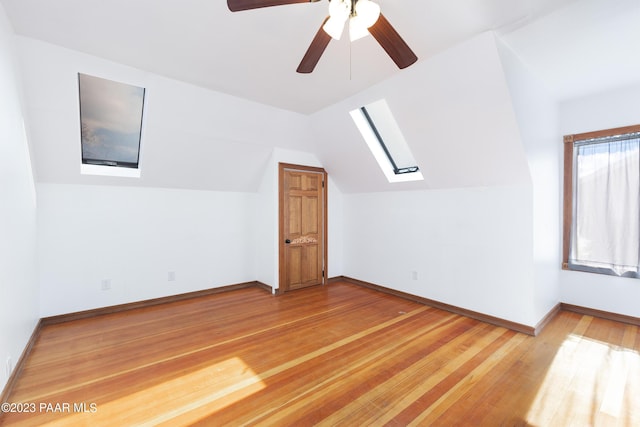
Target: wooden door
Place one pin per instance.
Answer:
(303, 220)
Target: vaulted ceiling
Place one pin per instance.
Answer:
(197, 139)
(254, 54)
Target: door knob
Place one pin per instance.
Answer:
(287, 241)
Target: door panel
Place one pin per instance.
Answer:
(295, 264)
(302, 226)
(309, 267)
(295, 215)
(310, 215)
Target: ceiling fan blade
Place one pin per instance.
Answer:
(392, 43)
(315, 51)
(238, 5)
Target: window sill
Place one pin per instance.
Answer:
(601, 271)
(109, 171)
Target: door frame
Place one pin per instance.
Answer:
(282, 271)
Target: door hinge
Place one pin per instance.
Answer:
(322, 273)
(323, 184)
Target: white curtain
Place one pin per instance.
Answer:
(606, 218)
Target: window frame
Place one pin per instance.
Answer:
(396, 170)
(111, 167)
(383, 147)
(568, 189)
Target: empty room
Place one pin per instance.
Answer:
(324, 212)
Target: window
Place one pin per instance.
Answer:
(111, 126)
(602, 202)
(386, 142)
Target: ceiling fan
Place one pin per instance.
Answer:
(364, 18)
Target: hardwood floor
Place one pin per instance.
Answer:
(329, 355)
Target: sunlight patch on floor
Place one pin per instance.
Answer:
(588, 380)
(215, 386)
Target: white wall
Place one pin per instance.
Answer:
(134, 237)
(18, 279)
(193, 139)
(537, 115)
(471, 248)
(468, 228)
(612, 109)
(336, 230)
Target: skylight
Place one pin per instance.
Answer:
(111, 126)
(386, 142)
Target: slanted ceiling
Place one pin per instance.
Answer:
(191, 137)
(453, 106)
(254, 54)
(455, 112)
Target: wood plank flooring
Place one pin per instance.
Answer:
(329, 355)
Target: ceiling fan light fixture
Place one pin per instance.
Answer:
(357, 29)
(334, 27)
(367, 12)
(339, 12)
(339, 8)
(364, 18)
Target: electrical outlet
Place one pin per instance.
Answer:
(171, 276)
(106, 284)
(414, 275)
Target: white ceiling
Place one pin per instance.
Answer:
(254, 54)
(587, 47)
